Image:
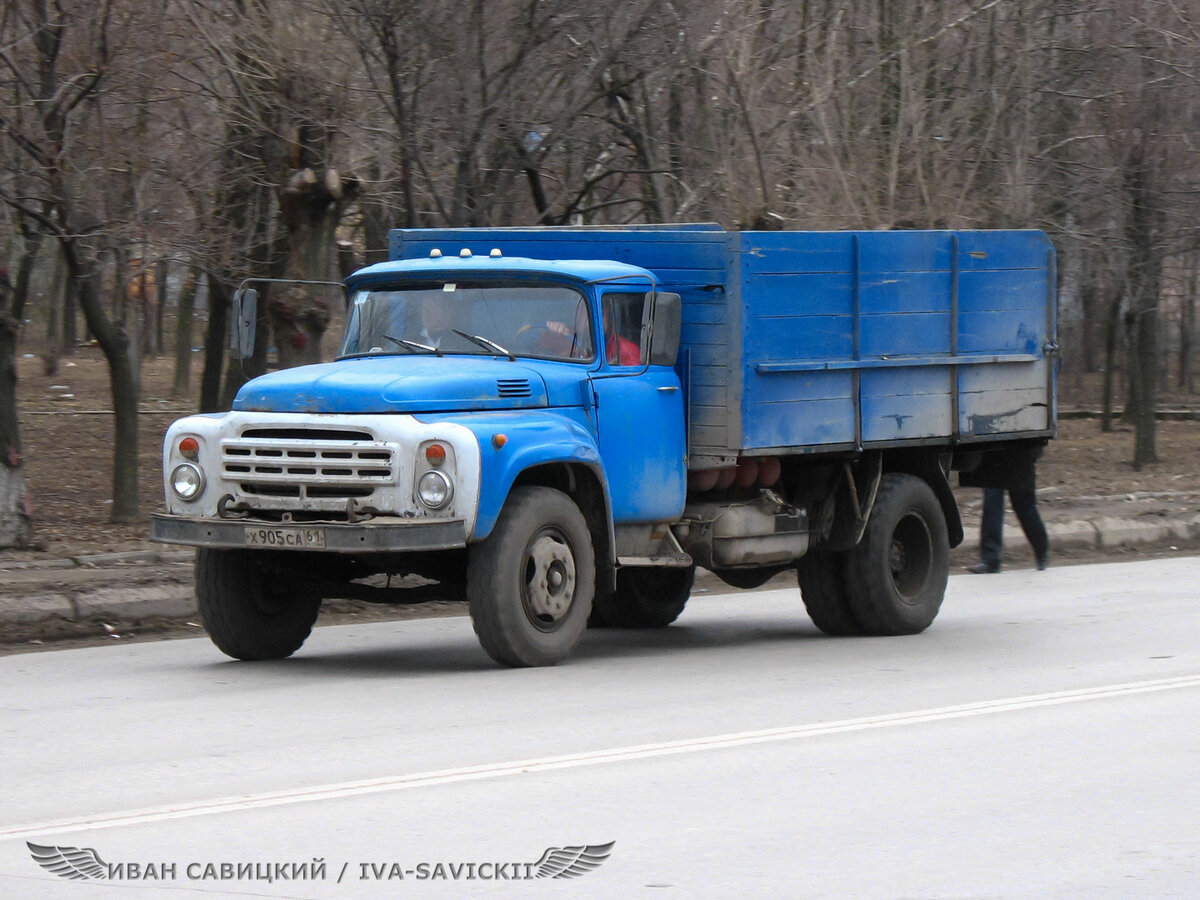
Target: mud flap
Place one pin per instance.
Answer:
(853, 499)
(937, 478)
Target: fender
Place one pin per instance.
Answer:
(530, 438)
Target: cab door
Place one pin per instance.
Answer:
(639, 416)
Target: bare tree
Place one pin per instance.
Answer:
(65, 51)
(16, 521)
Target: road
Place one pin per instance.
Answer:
(1039, 741)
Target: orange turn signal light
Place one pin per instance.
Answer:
(499, 440)
(189, 447)
(435, 454)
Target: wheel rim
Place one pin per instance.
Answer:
(910, 557)
(548, 579)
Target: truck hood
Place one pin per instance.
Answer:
(396, 384)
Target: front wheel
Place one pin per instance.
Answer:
(530, 582)
(896, 575)
(251, 610)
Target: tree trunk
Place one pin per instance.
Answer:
(120, 301)
(118, 352)
(299, 317)
(56, 310)
(1111, 328)
(70, 318)
(214, 344)
(184, 314)
(16, 524)
(311, 207)
(375, 231)
(161, 273)
(1187, 326)
(1144, 224)
(1089, 302)
(1132, 371)
(134, 327)
(1147, 364)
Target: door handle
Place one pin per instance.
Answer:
(668, 388)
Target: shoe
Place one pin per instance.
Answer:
(984, 568)
(1042, 563)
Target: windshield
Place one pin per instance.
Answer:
(531, 320)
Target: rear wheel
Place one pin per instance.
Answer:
(896, 575)
(748, 579)
(646, 597)
(530, 583)
(823, 589)
(253, 610)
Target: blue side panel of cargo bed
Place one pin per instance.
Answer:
(880, 338)
(796, 292)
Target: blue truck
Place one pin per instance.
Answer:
(561, 424)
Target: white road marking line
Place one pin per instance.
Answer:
(590, 758)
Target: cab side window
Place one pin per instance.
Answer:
(623, 327)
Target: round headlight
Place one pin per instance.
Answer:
(187, 481)
(435, 489)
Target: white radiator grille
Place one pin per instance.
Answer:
(308, 466)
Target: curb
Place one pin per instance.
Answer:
(1076, 535)
(100, 559)
(1105, 532)
(95, 586)
(70, 596)
(1182, 414)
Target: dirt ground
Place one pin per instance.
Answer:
(66, 432)
(67, 443)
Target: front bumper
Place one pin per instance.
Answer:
(388, 536)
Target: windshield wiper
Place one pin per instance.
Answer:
(413, 345)
(485, 343)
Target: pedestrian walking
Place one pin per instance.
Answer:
(1014, 473)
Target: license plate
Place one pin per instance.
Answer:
(293, 537)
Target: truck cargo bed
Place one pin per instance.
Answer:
(801, 342)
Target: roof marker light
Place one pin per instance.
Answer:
(495, 254)
(435, 253)
(464, 253)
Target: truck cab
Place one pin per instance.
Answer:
(460, 382)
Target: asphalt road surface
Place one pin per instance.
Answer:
(1040, 740)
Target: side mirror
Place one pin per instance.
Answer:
(668, 318)
(241, 326)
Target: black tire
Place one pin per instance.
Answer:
(252, 611)
(646, 597)
(747, 579)
(530, 582)
(823, 590)
(896, 575)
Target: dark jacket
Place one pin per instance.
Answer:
(1013, 468)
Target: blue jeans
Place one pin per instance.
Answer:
(991, 528)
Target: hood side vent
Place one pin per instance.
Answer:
(513, 387)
